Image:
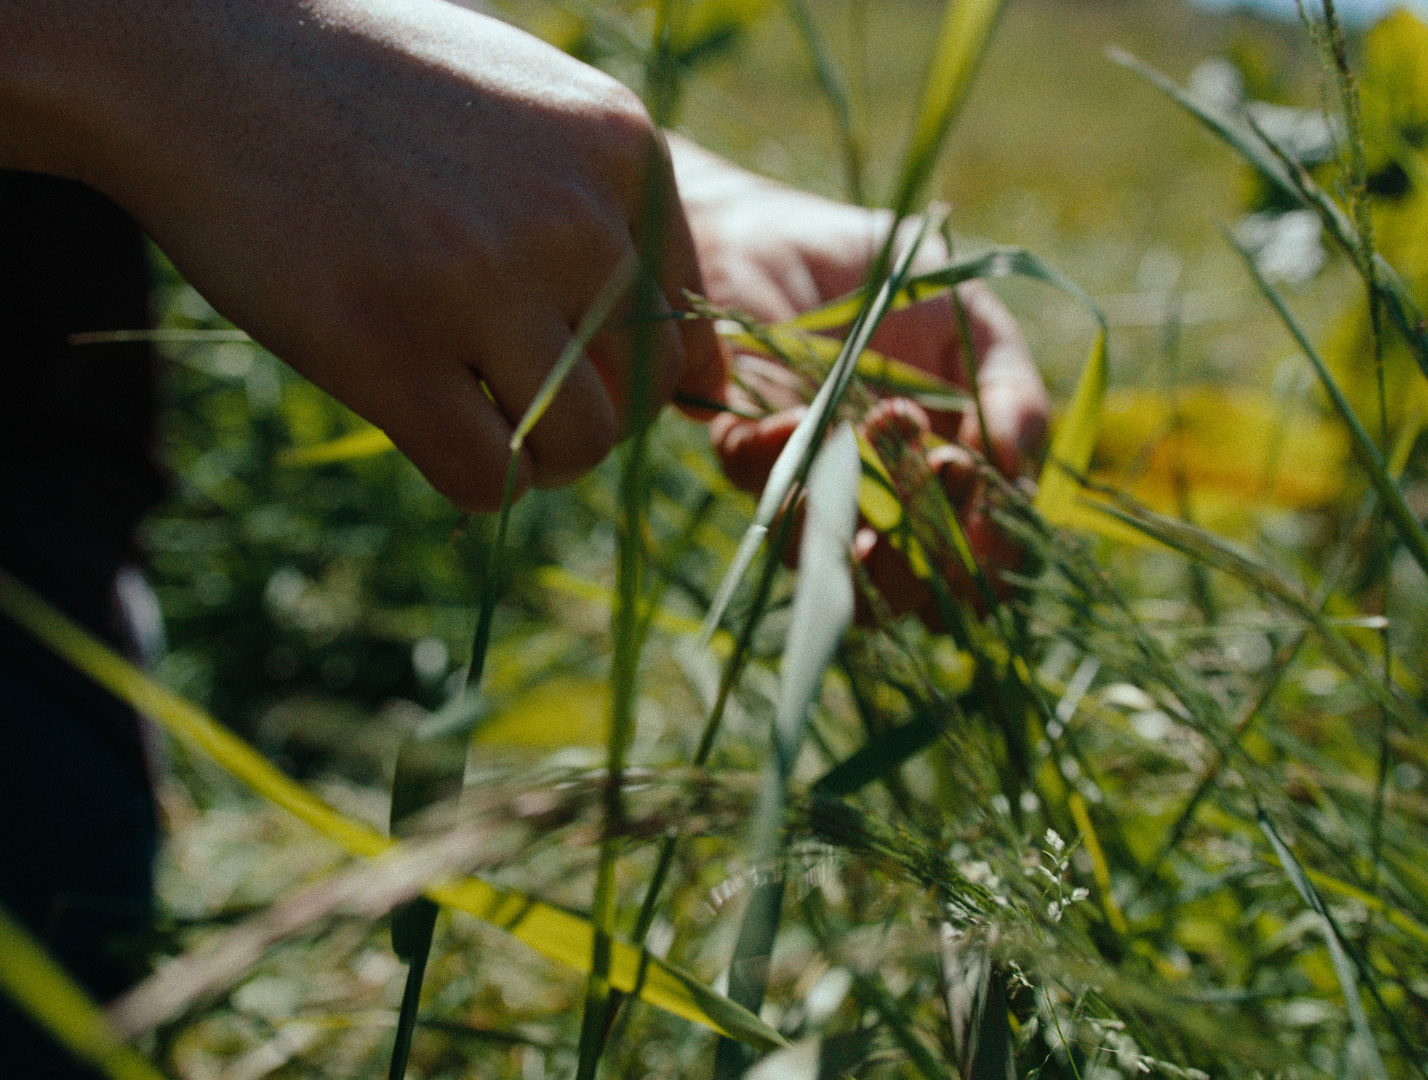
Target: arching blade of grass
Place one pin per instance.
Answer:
(40, 987)
(797, 455)
(1410, 529)
(996, 262)
(835, 90)
(1363, 1051)
(554, 933)
(967, 27)
(1294, 181)
(822, 611)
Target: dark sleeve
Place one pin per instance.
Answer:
(76, 421)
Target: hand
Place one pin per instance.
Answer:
(774, 252)
(401, 198)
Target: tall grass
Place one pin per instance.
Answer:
(1159, 812)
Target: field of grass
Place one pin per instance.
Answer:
(1162, 812)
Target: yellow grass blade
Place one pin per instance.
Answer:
(42, 988)
(966, 28)
(359, 444)
(874, 368)
(556, 934)
(1070, 456)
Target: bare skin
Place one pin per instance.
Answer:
(401, 198)
(414, 205)
(774, 252)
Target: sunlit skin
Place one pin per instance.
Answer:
(406, 200)
(401, 198)
(774, 252)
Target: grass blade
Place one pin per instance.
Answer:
(822, 611)
(879, 756)
(834, 89)
(967, 27)
(553, 932)
(412, 791)
(37, 984)
(413, 923)
(1058, 489)
(797, 455)
(823, 599)
(976, 1009)
(1293, 181)
(1364, 1049)
(1410, 529)
(996, 262)
(367, 442)
(610, 294)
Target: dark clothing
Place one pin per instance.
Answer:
(76, 475)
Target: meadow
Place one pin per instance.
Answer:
(1160, 811)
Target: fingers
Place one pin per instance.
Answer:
(747, 449)
(704, 371)
(581, 423)
(440, 418)
(1013, 397)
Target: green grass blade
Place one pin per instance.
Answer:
(881, 755)
(553, 932)
(977, 1010)
(797, 455)
(610, 294)
(825, 70)
(967, 27)
(441, 779)
(40, 987)
(1364, 1053)
(822, 611)
(1410, 529)
(413, 923)
(823, 597)
(1293, 181)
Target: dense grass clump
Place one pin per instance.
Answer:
(1160, 809)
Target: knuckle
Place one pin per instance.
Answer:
(627, 119)
(575, 457)
(629, 142)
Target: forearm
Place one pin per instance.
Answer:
(65, 78)
(116, 92)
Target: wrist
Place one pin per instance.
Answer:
(105, 91)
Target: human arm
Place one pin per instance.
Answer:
(774, 252)
(410, 203)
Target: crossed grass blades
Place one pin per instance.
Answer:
(1141, 819)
